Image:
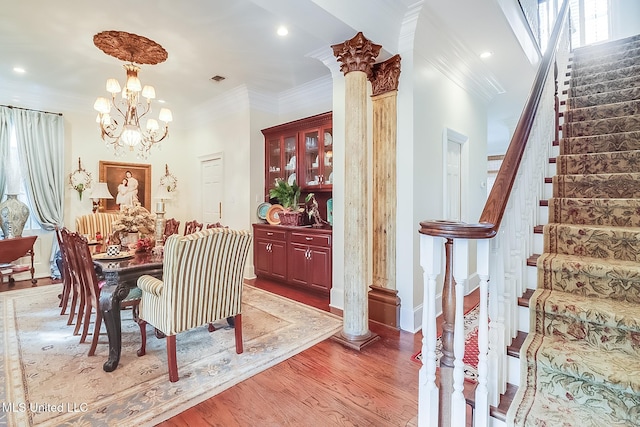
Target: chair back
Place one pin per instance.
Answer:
(191, 227)
(203, 278)
(217, 225)
(171, 227)
(81, 264)
(92, 223)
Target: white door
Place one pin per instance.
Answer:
(453, 180)
(212, 189)
(453, 152)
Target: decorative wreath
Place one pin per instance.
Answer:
(80, 179)
(168, 180)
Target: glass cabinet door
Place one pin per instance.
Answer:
(281, 160)
(327, 164)
(274, 161)
(316, 150)
(290, 158)
(311, 166)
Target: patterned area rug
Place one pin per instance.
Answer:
(48, 379)
(470, 346)
(580, 361)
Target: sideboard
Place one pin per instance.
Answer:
(299, 256)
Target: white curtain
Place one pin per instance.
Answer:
(5, 115)
(40, 139)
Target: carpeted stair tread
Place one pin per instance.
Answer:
(606, 86)
(618, 109)
(603, 185)
(628, 94)
(602, 126)
(609, 75)
(582, 61)
(608, 162)
(583, 70)
(552, 411)
(616, 212)
(624, 141)
(606, 46)
(590, 277)
(595, 241)
(577, 359)
(608, 325)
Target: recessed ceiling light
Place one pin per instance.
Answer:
(19, 70)
(486, 54)
(282, 30)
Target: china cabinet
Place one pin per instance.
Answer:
(300, 151)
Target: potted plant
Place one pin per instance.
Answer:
(287, 195)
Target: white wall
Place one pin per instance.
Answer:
(437, 104)
(624, 18)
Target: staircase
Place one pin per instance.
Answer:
(580, 363)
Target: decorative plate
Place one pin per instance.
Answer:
(328, 139)
(292, 178)
(121, 255)
(262, 210)
(272, 214)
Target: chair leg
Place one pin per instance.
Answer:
(96, 333)
(171, 358)
(82, 307)
(72, 309)
(88, 309)
(143, 337)
(238, 331)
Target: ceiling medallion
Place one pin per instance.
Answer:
(130, 47)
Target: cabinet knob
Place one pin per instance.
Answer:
(269, 234)
(308, 239)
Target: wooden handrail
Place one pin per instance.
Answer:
(494, 208)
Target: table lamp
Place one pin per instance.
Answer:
(100, 191)
(163, 194)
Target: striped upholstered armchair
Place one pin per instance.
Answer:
(201, 283)
(92, 223)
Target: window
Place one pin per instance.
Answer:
(17, 178)
(589, 21)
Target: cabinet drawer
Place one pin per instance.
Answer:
(312, 239)
(269, 234)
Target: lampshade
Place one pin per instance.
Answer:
(163, 194)
(101, 191)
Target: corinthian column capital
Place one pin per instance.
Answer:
(385, 75)
(357, 54)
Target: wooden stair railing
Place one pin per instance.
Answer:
(519, 174)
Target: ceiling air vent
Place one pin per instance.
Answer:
(217, 78)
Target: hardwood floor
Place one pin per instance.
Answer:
(327, 384)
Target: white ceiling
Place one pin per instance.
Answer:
(237, 39)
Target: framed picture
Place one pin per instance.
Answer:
(127, 183)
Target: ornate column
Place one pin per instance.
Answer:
(384, 304)
(356, 57)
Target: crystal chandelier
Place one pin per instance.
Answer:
(131, 108)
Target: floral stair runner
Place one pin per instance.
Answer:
(581, 360)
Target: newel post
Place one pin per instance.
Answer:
(430, 261)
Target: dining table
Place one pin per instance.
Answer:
(121, 273)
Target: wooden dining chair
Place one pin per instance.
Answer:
(217, 225)
(82, 262)
(191, 227)
(70, 284)
(201, 283)
(171, 227)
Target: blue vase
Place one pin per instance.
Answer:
(330, 212)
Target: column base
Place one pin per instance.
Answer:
(356, 343)
(384, 306)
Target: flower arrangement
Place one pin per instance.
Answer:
(145, 244)
(133, 219)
